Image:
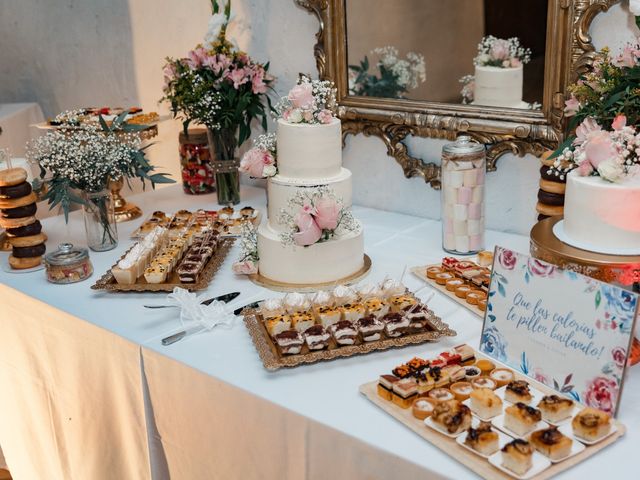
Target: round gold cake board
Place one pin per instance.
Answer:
(305, 287)
(623, 270)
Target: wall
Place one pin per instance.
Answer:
(66, 53)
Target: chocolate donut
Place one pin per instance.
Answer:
(16, 191)
(548, 198)
(26, 231)
(19, 212)
(551, 177)
(25, 252)
(542, 217)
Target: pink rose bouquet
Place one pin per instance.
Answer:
(260, 161)
(309, 101)
(502, 53)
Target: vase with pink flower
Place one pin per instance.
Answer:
(222, 88)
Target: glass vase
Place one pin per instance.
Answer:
(100, 221)
(222, 146)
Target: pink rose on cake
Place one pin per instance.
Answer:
(308, 230)
(301, 96)
(260, 161)
(327, 213)
(602, 394)
(325, 116)
(499, 50)
(246, 267)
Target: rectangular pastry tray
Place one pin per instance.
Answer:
(475, 463)
(108, 282)
(272, 359)
(421, 273)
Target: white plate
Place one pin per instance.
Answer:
(576, 446)
(467, 402)
(498, 422)
(613, 430)
(7, 268)
(431, 424)
(536, 395)
(503, 439)
(564, 421)
(539, 464)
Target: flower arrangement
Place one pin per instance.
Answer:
(319, 217)
(260, 161)
(395, 77)
(247, 264)
(604, 108)
(309, 101)
(468, 88)
(502, 53)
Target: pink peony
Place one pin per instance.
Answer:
(254, 161)
(599, 148)
(585, 130)
(246, 267)
(585, 168)
(325, 116)
(571, 106)
(516, 63)
(308, 230)
(257, 81)
(327, 213)
(301, 96)
(602, 394)
(499, 50)
(239, 76)
(507, 258)
(619, 122)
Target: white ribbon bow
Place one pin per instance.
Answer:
(193, 313)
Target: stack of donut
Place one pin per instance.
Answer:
(552, 188)
(17, 217)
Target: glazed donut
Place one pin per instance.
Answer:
(30, 241)
(548, 198)
(23, 263)
(19, 212)
(26, 231)
(33, 251)
(12, 176)
(16, 191)
(7, 223)
(551, 177)
(550, 210)
(7, 203)
(552, 187)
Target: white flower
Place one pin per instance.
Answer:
(269, 171)
(216, 23)
(611, 170)
(634, 7)
(295, 116)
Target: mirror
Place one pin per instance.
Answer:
(488, 52)
(398, 64)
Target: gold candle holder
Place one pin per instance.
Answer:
(124, 210)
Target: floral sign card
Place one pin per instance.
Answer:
(566, 330)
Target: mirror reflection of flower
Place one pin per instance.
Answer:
(395, 77)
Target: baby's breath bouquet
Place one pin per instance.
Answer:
(84, 160)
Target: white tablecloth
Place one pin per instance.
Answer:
(205, 405)
(15, 121)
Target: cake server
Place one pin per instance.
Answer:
(226, 298)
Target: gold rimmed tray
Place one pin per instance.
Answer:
(421, 273)
(472, 461)
(108, 282)
(272, 359)
(307, 288)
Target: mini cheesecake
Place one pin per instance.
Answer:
(423, 407)
(376, 307)
(502, 376)
(385, 386)
(518, 391)
(400, 302)
(277, 324)
(521, 419)
(404, 392)
(441, 395)
(461, 390)
(555, 408)
(517, 456)
(463, 291)
(591, 424)
(290, 342)
(443, 278)
(452, 416)
(370, 328)
(344, 333)
(353, 311)
(484, 382)
(396, 324)
(551, 443)
(482, 439)
(300, 321)
(485, 403)
(328, 315)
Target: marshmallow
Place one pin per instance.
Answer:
(447, 210)
(448, 225)
(480, 179)
(478, 194)
(474, 227)
(449, 242)
(455, 179)
(460, 227)
(476, 243)
(471, 177)
(475, 211)
(465, 194)
(460, 212)
(449, 194)
(462, 243)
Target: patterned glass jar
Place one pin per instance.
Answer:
(463, 180)
(198, 176)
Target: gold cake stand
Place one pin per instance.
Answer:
(305, 287)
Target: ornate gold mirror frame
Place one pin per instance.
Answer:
(569, 52)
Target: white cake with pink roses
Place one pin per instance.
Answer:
(311, 236)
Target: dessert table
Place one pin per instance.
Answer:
(94, 393)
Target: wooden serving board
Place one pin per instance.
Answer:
(421, 273)
(475, 463)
